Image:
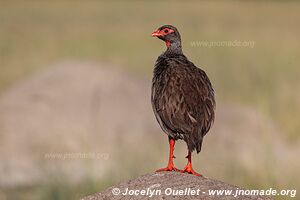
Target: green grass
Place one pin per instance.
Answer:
(34, 35)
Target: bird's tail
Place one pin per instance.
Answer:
(194, 141)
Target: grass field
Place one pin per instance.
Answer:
(34, 35)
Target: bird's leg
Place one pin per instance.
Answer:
(188, 168)
(170, 166)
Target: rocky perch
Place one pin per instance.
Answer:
(172, 185)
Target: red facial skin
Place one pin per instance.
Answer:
(162, 33)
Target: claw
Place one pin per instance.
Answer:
(189, 169)
(169, 168)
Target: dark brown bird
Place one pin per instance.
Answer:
(182, 97)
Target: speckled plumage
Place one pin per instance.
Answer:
(182, 96)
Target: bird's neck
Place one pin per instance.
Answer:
(173, 47)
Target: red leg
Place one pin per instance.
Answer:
(170, 166)
(188, 168)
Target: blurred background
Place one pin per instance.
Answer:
(75, 111)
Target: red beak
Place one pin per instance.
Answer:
(156, 33)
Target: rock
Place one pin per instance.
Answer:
(181, 186)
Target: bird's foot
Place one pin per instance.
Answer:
(170, 167)
(188, 169)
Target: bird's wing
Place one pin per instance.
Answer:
(187, 102)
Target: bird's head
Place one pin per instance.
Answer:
(167, 33)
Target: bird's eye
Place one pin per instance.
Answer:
(166, 30)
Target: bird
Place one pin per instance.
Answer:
(182, 98)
